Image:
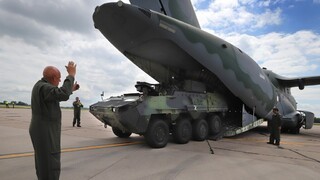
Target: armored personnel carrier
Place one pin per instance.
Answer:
(156, 113)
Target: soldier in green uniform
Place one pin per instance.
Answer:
(275, 127)
(45, 126)
(77, 105)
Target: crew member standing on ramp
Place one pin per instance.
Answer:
(45, 126)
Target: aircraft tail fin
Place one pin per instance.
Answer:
(178, 9)
(300, 82)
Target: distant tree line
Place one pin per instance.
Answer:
(317, 120)
(15, 103)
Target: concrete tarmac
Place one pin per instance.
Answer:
(93, 152)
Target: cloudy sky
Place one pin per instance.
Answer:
(281, 35)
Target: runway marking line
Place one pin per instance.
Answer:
(17, 155)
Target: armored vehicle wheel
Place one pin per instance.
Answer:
(215, 124)
(200, 130)
(120, 133)
(182, 131)
(157, 134)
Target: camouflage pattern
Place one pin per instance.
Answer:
(181, 10)
(164, 39)
(168, 49)
(132, 112)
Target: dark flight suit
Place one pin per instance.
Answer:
(275, 125)
(76, 112)
(45, 126)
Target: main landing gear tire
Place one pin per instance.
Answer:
(182, 131)
(157, 135)
(200, 130)
(120, 133)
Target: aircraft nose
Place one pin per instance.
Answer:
(96, 11)
(107, 14)
(120, 23)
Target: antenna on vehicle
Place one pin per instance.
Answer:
(162, 8)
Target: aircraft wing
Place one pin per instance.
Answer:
(178, 9)
(299, 82)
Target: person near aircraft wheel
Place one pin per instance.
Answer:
(275, 127)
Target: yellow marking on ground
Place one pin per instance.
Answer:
(100, 146)
(9, 156)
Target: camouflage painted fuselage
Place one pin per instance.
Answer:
(175, 52)
(170, 50)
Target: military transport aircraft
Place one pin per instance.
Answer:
(206, 86)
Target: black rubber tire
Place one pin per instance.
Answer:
(215, 124)
(200, 130)
(182, 131)
(157, 134)
(120, 134)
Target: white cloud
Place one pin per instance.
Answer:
(28, 44)
(268, 18)
(234, 15)
(316, 1)
(221, 4)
